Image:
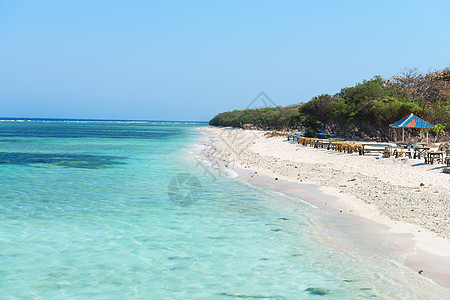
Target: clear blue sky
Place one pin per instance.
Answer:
(189, 60)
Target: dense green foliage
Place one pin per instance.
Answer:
(364, 110)
(267, 118)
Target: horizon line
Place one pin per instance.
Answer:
(90, 119)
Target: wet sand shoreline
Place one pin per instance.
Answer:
(412, 245)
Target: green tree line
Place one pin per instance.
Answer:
(364, 110)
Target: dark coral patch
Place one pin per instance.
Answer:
(82, 161)
(318, 291)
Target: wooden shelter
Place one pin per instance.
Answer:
(412, 121)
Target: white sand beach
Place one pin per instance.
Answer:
(407, 195)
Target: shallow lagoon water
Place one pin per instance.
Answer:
(85, 213)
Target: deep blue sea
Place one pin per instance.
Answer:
(122, 210)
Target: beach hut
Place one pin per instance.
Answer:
(412, 121)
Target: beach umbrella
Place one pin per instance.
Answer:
(412, 121)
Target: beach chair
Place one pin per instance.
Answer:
(447, 157)
(369, 148)
(293, 137)
(394, 151)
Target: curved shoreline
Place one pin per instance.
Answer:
(416, 247)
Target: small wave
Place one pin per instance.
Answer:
(295, 198)
(231, 173)
(402, 266)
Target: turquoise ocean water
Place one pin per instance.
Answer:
(85, 213)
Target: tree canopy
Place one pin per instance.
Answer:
(363, 110)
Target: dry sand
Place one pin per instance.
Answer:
(405, 194)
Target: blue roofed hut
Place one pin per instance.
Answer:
(412, 121)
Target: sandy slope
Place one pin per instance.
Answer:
(400, 189)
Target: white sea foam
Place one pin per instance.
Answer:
(295, 199)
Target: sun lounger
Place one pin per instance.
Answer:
(293, 137)
(421, 151)
(447, 157)
(369, 148)
(434, 156)
(393, 151)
